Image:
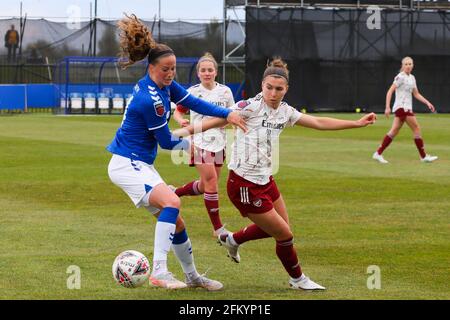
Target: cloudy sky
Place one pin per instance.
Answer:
(113, 9)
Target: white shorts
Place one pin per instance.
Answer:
(136, 178)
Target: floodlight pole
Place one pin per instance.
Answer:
(95, 29)
(20, 29)
(23, 22)
(159, 21)
(224, 40)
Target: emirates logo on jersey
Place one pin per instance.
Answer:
(159, 108)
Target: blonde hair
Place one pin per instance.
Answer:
(207, 57)
(404, 60)
(137, 43)
(277, 68)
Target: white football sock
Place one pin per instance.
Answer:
(164, 233)
(159, 266)
(183, 252)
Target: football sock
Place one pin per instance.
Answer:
(164, 233)
(251, 232)
(212, 206)
(386, 142)
(299, 278)
(189, 189)
(182, 248)
(286, 253)
(420, 146)
(159, 266)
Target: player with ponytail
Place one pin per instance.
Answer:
(251, 186)
(134, 149)
(405, 88)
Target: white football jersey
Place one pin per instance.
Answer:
(403, 94)
(254, 154)
(212, 140)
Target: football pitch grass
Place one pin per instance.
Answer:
(348, 212)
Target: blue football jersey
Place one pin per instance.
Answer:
(148, 110)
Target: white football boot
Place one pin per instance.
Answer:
(166, 280)
(379, 157)
(429, 158)
(203, 282)
(305, 283)
(221, 230)
(224, 240)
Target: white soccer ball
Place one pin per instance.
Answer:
(131, 269)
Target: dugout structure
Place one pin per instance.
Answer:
(338, 61)
(89, 85)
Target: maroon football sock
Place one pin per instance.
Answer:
(251, 232)
(286, 253)
(386, 142)
(189, 189)
(420, 146)
(212, 206)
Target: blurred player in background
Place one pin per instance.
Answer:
(135, 145)
(208, 152)
(405, 87)
(251, 187)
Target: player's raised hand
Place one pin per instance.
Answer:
(237, 120)
(367, 119)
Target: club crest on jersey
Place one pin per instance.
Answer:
(242, 104)
(257, 203)
(159, 108)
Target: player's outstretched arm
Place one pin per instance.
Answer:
(324, 123)
(200, 127)
(169, 141)
(209, 109)
(234, 118)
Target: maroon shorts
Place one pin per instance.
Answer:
(402, 114)
(249, 197)
(201, 156)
